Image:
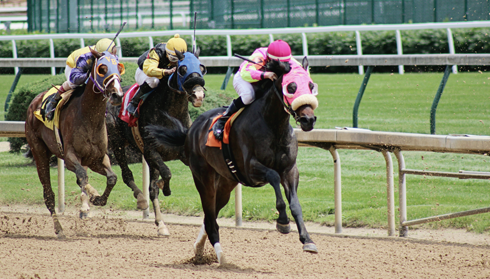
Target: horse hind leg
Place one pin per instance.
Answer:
(199, 244)
(127, 175)
(162, 229)
(41, 157)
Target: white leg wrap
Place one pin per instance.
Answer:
(85, 207)
(219, 253)
(162, 228)
(200, 241)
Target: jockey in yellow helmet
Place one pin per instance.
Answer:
(155, 64)
(77, 70)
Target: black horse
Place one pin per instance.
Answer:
(264, 148)
(171, 97)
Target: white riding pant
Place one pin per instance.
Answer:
(141, 77)
(244, 89)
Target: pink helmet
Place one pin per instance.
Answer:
(279, 50)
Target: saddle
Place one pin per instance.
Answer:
(123, 113)
(41, 112)
(55, 123)
(212, 141)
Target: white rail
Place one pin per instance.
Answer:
(271, 32)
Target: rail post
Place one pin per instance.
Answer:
(437, 98)
(359, 96)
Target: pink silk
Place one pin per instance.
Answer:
(298, 75)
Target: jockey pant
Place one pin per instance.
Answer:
(244, 89)
(141, 78)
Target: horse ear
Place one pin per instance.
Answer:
(305, 63)
(95, 53)
(198, 51)
(179, 55)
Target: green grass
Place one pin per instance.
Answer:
(391, 103)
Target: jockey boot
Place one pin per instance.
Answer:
(51, 105)
(133, 105)
(219, 126)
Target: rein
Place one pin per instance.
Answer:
(287, 105)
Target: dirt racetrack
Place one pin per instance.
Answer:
(106, 246)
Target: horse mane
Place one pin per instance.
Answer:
(280, 68)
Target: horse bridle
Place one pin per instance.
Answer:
(100, 82)
(287, 105)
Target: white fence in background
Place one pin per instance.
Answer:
(358, 29)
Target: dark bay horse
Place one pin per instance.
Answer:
(264, 148)
(83, 132)
(170, 98)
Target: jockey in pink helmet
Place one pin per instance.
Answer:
(249, 73)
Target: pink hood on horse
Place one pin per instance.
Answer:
(306, 89)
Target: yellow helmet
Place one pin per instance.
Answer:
(176, 43)
(103, 45)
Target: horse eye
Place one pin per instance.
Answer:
(311, 85)
(203, 69)
(183, 70)
(292, 87)
(102, 69)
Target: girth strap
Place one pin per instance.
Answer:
(230, 163)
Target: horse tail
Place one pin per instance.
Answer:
(160, 135)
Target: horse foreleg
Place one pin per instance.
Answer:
(73, 164)
(161, 227)
(261, 172)
(290, 183)
(105, 169)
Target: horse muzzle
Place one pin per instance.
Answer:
(197, 95)
(307, 123)
(306, 118)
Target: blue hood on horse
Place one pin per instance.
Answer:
(187, 66)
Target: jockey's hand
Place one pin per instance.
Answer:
(270, 75)
(168, 72)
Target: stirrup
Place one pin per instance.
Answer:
(132, 109)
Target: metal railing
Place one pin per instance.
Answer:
(332, 140)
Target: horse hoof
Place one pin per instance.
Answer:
(142, 205)
(165, 232)
(61, 235)
(310, 247)
(83, 215)
(98, 201)
(285, 229)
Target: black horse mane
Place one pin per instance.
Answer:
(276, 66)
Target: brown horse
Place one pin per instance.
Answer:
(83, 132)
(264, 148)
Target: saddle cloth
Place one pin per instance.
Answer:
(56, 119)
(212, 141)
(123, 113)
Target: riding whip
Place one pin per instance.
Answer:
(246, 59)
(194, 38)
(117, 34)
